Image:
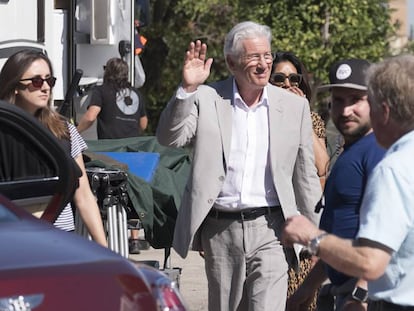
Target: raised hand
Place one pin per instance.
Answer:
(196, 67)
(297, 91)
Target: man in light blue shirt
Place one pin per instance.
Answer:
(383, 252)
(391, 221)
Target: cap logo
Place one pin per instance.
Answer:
(343, 72)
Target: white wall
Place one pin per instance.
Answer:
(92, 57)
(18, 20)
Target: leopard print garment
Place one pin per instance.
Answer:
(318, 125)
(297, 278)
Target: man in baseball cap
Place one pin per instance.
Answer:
(348, 73)
(345, 185)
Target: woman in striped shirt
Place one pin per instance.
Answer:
(26, 80)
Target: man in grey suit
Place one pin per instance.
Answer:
(252, 168)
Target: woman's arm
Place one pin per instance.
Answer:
(321, 157)
(143, 123)
(87, 206)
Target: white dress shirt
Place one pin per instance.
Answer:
(248, 182)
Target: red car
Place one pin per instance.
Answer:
(43, 268)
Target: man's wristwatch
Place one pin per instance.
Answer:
(313, 245)
(360, 294)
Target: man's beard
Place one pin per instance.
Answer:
(356, 133)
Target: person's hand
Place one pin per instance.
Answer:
(196, 67)
(296, 90)
(298, 229)
(352, 305)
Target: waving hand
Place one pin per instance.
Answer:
(196, 67)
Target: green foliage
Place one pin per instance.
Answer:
(319, 32)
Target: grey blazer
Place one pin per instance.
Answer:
(204, 120)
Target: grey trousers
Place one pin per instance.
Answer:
(245, 263)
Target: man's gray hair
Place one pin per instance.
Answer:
(392, 82)
(242, 31)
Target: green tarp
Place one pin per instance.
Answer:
(155, 202)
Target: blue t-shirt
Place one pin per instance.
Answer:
(344, 190)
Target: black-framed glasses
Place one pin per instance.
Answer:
(279, 79)
(257, 57)
(38, 81)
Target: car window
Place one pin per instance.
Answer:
(20, 159)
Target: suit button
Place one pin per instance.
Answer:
(221, 178)
(210, 201)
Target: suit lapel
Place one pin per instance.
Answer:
(276, 136)
(224, 109)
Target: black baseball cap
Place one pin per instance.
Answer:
(349, 73)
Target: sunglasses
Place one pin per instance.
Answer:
(279, 78)
(38, 81)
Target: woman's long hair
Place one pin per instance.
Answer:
(116, 74)
(10, 76)
(280, 57)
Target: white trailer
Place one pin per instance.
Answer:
(26, 24)
(76, 34)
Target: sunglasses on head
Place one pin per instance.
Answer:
(38, 81)
(279, 78)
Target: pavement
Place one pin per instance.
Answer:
(192, 280)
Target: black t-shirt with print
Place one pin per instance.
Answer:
(120, 111)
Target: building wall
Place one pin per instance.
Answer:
(399, 16)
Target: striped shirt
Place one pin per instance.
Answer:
(66, 221)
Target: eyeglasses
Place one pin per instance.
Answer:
(256, 58)
(279, 78)
(38, 81)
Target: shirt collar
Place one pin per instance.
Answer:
(405, 139)
(264, 99)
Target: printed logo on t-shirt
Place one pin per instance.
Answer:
(127, 101)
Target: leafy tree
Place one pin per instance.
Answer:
(319, 32)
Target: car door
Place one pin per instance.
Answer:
(35, 171)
